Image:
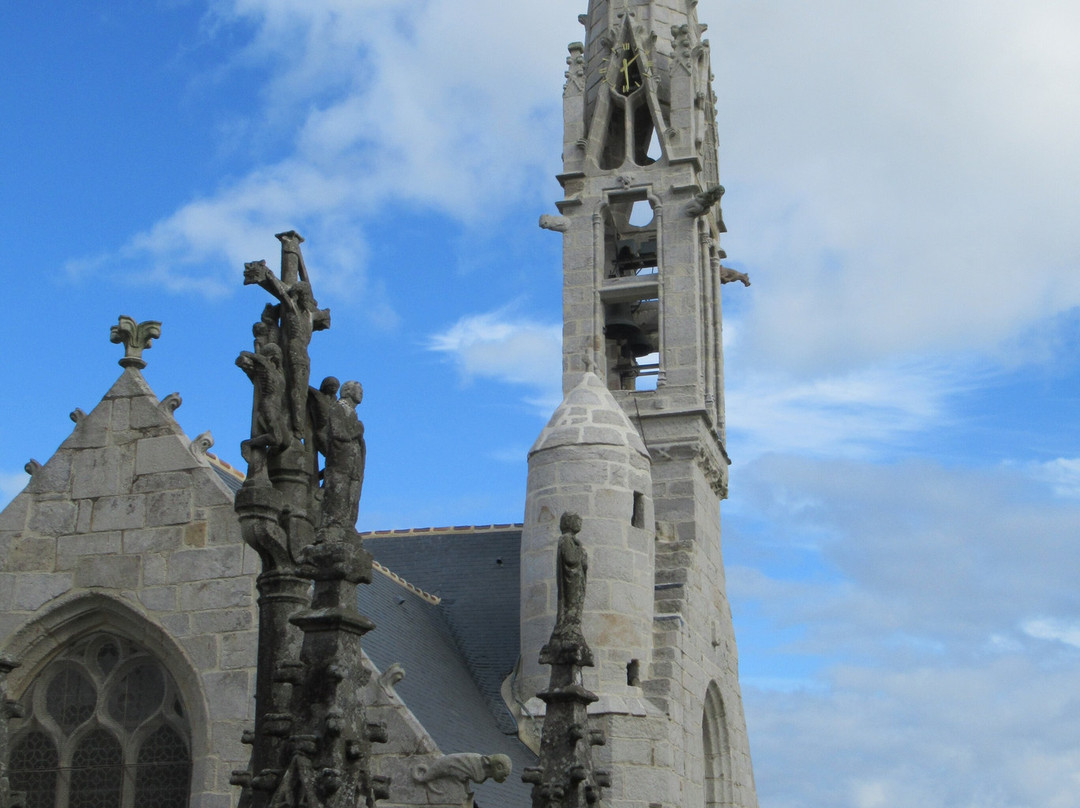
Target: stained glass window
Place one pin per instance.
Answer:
(33, 768)
(164, 770)
(104, 727)
(97, 771)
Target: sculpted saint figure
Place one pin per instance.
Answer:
(572, 566)
(269, 423)
(340, 437)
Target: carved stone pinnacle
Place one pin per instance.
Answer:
(136, 338)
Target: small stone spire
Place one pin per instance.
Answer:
(565, 777)
(136, 339)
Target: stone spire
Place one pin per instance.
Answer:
(311, 745)
(566, 777)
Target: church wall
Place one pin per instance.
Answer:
(128, 529)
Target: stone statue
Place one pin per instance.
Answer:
(269, 423)
(297, 312)
(464, 767)
(572, 568)
(339, 435)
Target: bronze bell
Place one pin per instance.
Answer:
(623, 327)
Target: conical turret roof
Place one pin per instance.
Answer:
(589, 415)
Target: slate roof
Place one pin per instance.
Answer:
(457, 653)
(229, 474)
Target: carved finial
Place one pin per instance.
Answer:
(76, 415)
(171, 403)
(32, 467)
(136, 339)
(201, 445)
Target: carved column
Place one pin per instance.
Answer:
(310, 745)
(565, 777)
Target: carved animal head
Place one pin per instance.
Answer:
(497, 767)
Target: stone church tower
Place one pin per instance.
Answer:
(637, 446)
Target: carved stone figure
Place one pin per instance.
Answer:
(297, 312)
(464, 767)
(703, 202)
(729, 275)
(269, 423)
(340, 437)
(572, 568)
(558, 223)
(566, 777)
(680, 36)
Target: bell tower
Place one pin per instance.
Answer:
(642, 351)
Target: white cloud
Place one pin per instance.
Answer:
(905, 592)
(376, 104)
(497, 345)
(901, 176)
(1045, 628)
(1063, 474)
(860, 413)
(999, 735)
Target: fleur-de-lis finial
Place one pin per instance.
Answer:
(136, 338)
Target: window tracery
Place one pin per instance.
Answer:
(104, 727)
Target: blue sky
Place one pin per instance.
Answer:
(901, 536)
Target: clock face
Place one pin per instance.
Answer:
(631, 68)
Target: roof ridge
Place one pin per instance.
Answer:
(418, 531)
(225, 466)
(434, 600)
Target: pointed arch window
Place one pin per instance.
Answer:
(716, 750)
(104, 727)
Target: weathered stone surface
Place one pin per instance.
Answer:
(168, 508)
(153, 539)
(34, 589)
(95, 473)
(159, 598)
(53, 477)
(119, 512)
(162, 453)
(222, 620)
(215, 594)
(118, 572)
(69, 549)
(13, 517)
(204, 564)
(52, 518)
